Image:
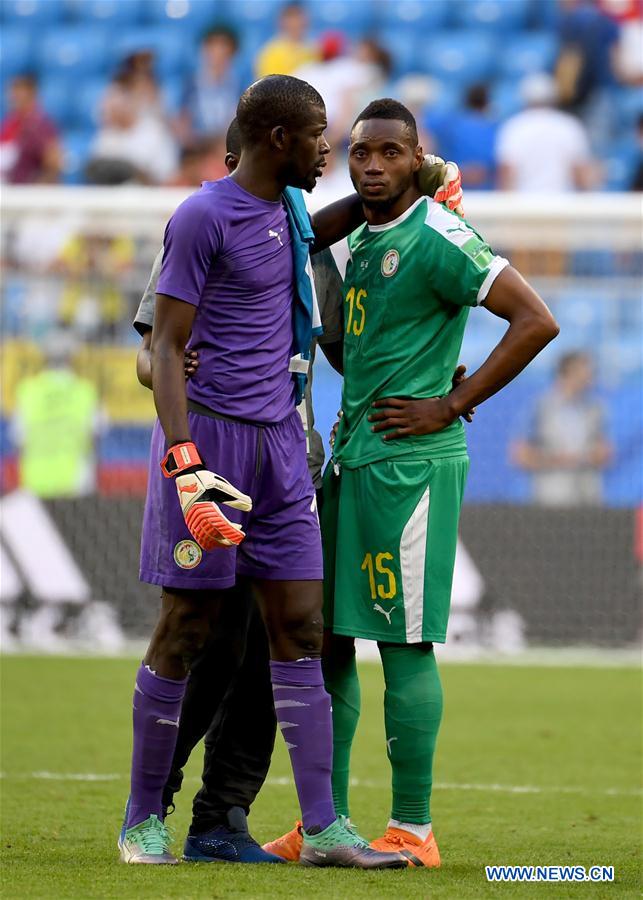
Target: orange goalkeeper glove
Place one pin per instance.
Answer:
(200, 492)
(442, 181)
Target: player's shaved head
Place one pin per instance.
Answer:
(390, 109)
(276, 100)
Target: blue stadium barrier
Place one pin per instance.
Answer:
(418, 15)
(491, 15)
(624, 477)
(598, 263)
(32, 13)
(529, 52)
(78, 51)
(126, 443)
(108, 12)
(16, 50)
(467, 56)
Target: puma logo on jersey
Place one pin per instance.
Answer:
(168, 722)
(388, 744)
(276, 234)
(386, 614)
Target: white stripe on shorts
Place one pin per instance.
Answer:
(412, 559)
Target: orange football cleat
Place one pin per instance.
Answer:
(418, 852)
(289, 845)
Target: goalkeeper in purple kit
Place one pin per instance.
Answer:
(233, 253)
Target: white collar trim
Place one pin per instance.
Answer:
(388, 225)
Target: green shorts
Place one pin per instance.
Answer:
(390, 531)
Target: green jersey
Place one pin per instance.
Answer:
(407, 292)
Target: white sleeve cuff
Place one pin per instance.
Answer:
(499, 263)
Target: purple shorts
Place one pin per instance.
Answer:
(282, 529)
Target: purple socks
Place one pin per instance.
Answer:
(157, 706)
(304, 716)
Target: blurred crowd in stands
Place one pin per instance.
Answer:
(526, 95)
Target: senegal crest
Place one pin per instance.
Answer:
(187, 554)
(390, 262)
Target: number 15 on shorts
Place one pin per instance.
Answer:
(381, 579)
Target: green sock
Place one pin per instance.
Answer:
(342, 683)
(412, 714)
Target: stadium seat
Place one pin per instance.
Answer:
(194, 15)
(546, 14)
(496, 15)
(76, 148)
(172, 90)
(530, 52)
(109, 12)
(619, 165)
(16, 50)
(413, 14)
(87, 103)
(355, 17)
(466, 57)
(172, 52)
(77, 50)
(258, 15)
(32, 13)
(404, 45)
(506, 98)
(57, 95)
(629, 103)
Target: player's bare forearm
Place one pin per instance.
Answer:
(336, 221)
(144, 361)
(531, 328)
(334, 353)
(172, 326)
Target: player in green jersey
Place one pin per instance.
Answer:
(393, 492)
(415, 271)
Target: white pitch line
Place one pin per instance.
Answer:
(285, 781)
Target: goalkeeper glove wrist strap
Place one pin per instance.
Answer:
(179, 458)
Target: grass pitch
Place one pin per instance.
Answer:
(535, 766)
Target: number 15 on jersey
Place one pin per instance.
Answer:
(356, 318)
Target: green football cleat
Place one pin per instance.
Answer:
(340, 845)
(147, 843)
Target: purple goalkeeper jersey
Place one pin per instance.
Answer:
(229, 254)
